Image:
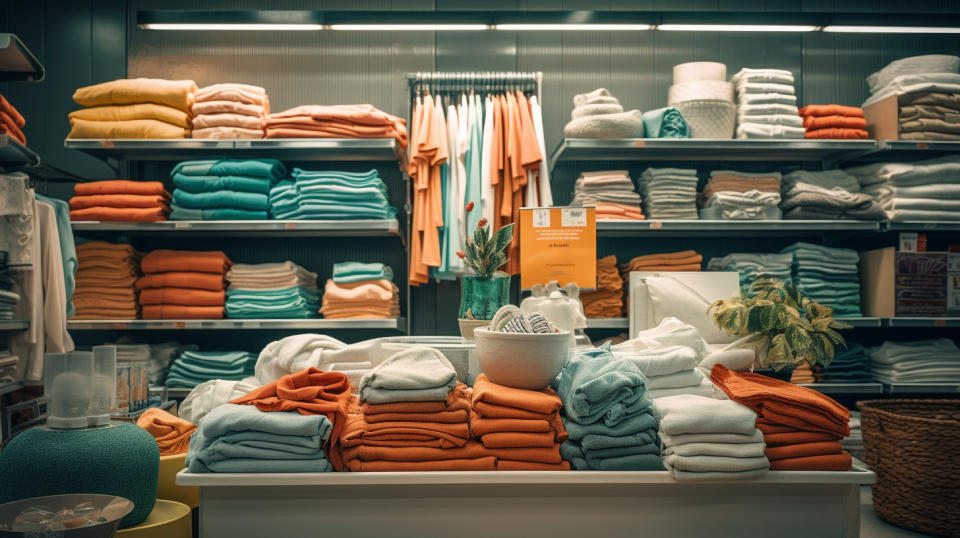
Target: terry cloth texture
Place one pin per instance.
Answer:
(598, 114)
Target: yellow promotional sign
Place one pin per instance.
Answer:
(558, 243)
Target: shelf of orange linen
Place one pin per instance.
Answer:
(311, 228)
(701, 228)
(528, 503)
(398, 324)
(285, 149)
(13, 154)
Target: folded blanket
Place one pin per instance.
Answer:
(228, 107)
(118, 200)
(199, 184)
(842, 122)
(165, 311)
(359, 432)
(139, 111)
(171, 433)
(830, 462)
(715, 464)
(181, 296)
(121, 186)
(182, 279)
(712, 438)
(121, 214)
(130, 129)
(233, 92)
(689, 413)
(251, 168)
(348, 121)
(178, 94)
(209, 121)
(220, 199)
(415, 374)
(163, 260)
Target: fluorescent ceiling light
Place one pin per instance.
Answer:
(891, 29)
(601, 27)
(228, 26)
(422, 27)
(736, 28)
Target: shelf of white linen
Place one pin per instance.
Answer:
(845, 388)
(706, 149)
(10, 387)
(625, 228)
(608, 323)
(947, 226)
(13, 154)
(315, 228)
(285, 149)
(923, 388)
(862, 322)
(398, 324)
(14, 324)
(528, 503)
(923, 322)
(17, 62)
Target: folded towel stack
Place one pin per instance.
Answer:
(183, 284)
(753, 266)
(361, 290)
(850, 365)
(160, 356)
(11, 121)
(708, 439)
(828, 275)
(133, 108)
(611, 192)
(922, 191)
(607, 300)
(294, 353)
(920, 361)
(9, 368)
(801, 427)
(927, 88)
(336, 121)
(106, 281)
(210, 395)
(669, 193)
(834, 121)
(684, 260)
(119, 200)
(227, 189)
(741, 195)
(767, 104)
(828, 195)
(607, 414)
(668, 355)
(192, 368)
(244, 439)
(8, 303)
(414, 416)
(330, 195)
(230, 111)
(271, 290)
(598, 114)
(805, 374)
(171, 433)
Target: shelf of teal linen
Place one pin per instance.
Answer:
(17, 62)
(845, 388)
(923, 322)
(14, 325)
(608, 323)
(923, 388)
(284, 149)
(700, 228)
(949, 226)
(312, 228)
(398, 324)
(13, 154)
(700, 149)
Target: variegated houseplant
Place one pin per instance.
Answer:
(781, 324)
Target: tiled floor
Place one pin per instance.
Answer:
(872, 526)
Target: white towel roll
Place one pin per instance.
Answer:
(694, 71)
(714, 90)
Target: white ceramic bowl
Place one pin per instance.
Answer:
(522, 360)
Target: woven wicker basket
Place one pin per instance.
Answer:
(709, 118)
(914, 447)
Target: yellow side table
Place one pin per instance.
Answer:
(167, 487)
(169, 519)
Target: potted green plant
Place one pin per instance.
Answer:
(484, 289)
(782, 325)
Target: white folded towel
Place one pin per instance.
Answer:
(662, 362)
(697, 414)
(705, 389)
(728, 450)
(730, 438)
(763, 87)
(209, 395)
(713, 464)
(776, 76)
(688, 378)
(299, 352)
(670, 332)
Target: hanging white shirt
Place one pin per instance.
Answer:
(545, 193)
(486, 169)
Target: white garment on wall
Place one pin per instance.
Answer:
(545, 193)
(486, 185)
(56, 337)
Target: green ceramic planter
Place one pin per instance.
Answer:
(483, 296)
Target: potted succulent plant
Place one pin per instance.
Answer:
(484, 289)
(782, 325)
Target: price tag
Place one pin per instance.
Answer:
(290, 226)
(120, 326)
(939, 323)
(180, 224)
(656, 225)
(922, 145)
(106, 144)
(576, 216)
(242, 144)
(639, 143)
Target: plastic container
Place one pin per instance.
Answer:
(67, 381)
(111, 509)
(104, 391)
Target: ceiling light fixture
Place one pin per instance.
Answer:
(736, 28)
(403, 27)
(889, 29)
(562, 27)
(229, 26)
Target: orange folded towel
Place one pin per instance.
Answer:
(614, 211)
(803, 450)
(309, 392)
(182, 296)
(119, 200)
(454, 410)
(173, 311)
(162, 261)
(842, 122)
(121, 214)
(511, 465)
(830, 462)
(782, 402)
(687, 260)
(832, 110)
(382, 466)
(480, 426)
(491, 400)
(837, 133)
(510, 439)
(16, 133)
(121, 186)
(182, 279)
(472, 450)
(404, 434)
(798, 437)
(171, 433)
(11, 111)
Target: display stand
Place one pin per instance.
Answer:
(528, 503)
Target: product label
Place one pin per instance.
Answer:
(558, 244)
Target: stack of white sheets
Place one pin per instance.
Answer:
(921, 361)
(926, 190)
(826, 195)
(669, 193)
(767, 104)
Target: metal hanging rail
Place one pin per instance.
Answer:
(481, 81)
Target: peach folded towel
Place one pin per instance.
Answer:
(173, 311)
(223, 133)
(230, 91)
(366, 299)
(336, 121)
(121, 214)
(121, 186)
(139, 111)
(118, 200)
(161, 261)
(178, 94)
(171, 433)
(207, 121)
(182, 279)
(309, 392)
(228, 107)
(182, 296)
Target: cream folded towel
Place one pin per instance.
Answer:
(729, 438)
(689, 413)
(727, 450)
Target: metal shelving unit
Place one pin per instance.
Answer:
(17, 62)
(923, 388)
(13, 154)
(292, 149)
(314, 228)
(845, 388)
(14, 324)
(627, 228)
(11, 387)
(923, 322)
(922, 226)
(398, 324)
(608, 323)
(862, 322)
(699, 149)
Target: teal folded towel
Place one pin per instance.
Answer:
(638, 458)
(265, 168)
(194, 367)
(347, 272)
(222, 183)
(209, 200)
(635, 424)
(599, 442)
(596, 385)
(331, 195)
(219, 213)
(295, 302)
(665, 122)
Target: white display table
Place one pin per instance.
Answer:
(527, 504)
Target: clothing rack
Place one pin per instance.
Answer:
(482, 81)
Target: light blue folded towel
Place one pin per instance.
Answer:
(635, 424)
(265, 168)
(347, 272)
(208, 200)
(596, 385)
(222, 183)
